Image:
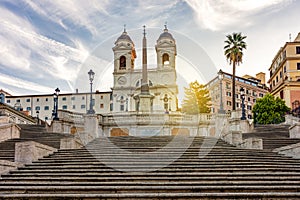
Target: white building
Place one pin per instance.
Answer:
(75, 102)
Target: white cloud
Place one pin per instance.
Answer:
(79, 12)
(19, 40)
(218, 15)
(22, 84)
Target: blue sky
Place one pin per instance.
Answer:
(49, 44)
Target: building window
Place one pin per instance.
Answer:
(254, 100)
(72, 98)
(249, 99)
(249, 116)
(82, 98)
(122, 62)
(237, 105)
(261, 95)
(273, 82)
(228, 94)
(82, 106)
(64, 98)
(101, 105)
(28, 108)
(37, 99)
(46, 99)
(280, 74)
(18, 100)
(37, 108)
(298, 66)
(276, 79)
(64, 107)
(228, 103)
(297, 50)
(46, 108)
(27, 100)
(8, 101)
(122, 107)
(74, 107)
(249, 107)
(111, 106)
(101, 97)
(284, 55)
(228, 85)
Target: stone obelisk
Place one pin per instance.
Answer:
(144, 99)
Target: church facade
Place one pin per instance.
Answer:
(128, 81)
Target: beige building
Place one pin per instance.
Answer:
(254, 88)
(285, 73)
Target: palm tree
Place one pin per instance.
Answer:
(234, 46)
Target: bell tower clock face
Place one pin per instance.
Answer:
(122, 80)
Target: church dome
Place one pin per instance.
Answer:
(124, 37)
(166, 35)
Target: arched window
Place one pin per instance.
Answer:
(122, 62)
(166, 59)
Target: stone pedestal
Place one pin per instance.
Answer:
(26, 152)
(221, 125)
(56, 126)
(91, 124)
(294, 131)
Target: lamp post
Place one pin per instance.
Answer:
(242, 91)
(220, 76)
(37, 116)
(91, 77)
(55, 99)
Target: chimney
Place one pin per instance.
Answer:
(262, 77)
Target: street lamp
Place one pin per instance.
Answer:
(55, 99)
(220, 75)
(242, 91)
(37, 116)
(91, 77)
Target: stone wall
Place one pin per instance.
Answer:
(9, 131)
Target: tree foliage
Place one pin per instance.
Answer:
(196, 99)
(234, 46)
(269, 110)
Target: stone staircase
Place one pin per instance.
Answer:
(158, 167)
(30, 133)
(274, 136)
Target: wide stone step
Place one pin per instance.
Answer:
(96, 189)
(154, 183)
(166, 173)
(159, 177)
(165, 195)
(145, 168)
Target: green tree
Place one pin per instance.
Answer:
(234, 46)
(269, 110)
(196, 99)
